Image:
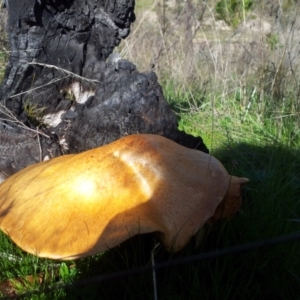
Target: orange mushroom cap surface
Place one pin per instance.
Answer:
(78, 205)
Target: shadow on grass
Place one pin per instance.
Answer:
(271, 208)
(183, 103)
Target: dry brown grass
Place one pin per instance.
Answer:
(187, 46)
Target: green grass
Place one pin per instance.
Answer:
(3, 59)
(143, 5)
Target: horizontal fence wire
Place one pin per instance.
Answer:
(197, 257)
(240, 249)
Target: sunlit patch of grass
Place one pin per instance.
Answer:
(29, 275)
(3, 60)
(143, 5)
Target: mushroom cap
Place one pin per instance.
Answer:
(78, 205)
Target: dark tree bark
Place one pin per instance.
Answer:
(64, 92)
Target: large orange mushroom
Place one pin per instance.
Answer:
(78, 205)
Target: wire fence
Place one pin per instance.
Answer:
(239, 249)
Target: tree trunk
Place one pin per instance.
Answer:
(65, 92)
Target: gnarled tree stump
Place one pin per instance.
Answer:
(64, 93)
